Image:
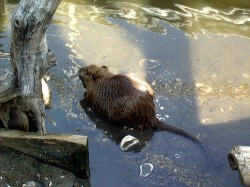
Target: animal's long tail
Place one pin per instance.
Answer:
(163, 126)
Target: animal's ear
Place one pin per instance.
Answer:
(105, 67)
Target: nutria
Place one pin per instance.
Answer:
(18, 120)
(123, 99)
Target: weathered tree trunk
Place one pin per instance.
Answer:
(30, 58)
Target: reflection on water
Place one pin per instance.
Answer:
(194, 17)
(2, 16)
(4, 30)
(196, 21)
(196, 56)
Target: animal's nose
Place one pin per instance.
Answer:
(81, 77)
(79, 72)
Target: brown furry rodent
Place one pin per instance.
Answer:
(123, 99)
(18, 120)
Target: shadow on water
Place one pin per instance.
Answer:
(116, 132)
(194, 17)
(196, 88)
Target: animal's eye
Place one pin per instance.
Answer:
(105, 67)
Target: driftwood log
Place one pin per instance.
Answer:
(30, 60)
(239, 159)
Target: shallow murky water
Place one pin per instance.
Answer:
(196, 56)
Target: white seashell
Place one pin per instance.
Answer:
(128, 142)
(46, 93)
(145, 169)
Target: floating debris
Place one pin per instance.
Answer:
(149, 63)
(204, 87)
(230, 108)
(178, 80)
(245, 75)
(146, 169)
(166, 116)
(206, 121)
(213, 75)
(153, 83)
(128, 142)
(177, 155)
(202, 136)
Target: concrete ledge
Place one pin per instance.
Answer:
(68, 152)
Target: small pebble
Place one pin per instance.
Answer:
(33, 184)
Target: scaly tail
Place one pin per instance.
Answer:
(176, 130)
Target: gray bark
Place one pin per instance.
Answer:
(8, 90)
(30, 58)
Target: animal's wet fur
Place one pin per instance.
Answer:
(123, 99)
(18, 120)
